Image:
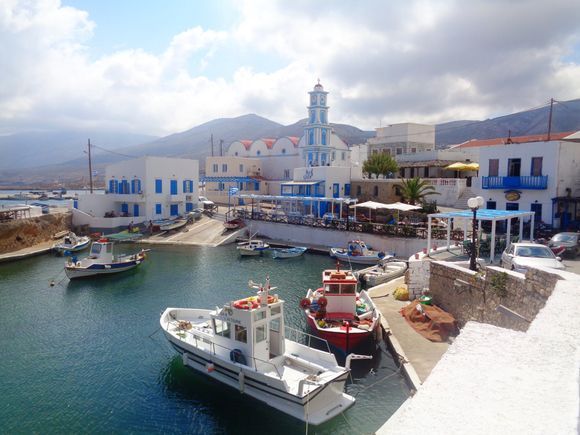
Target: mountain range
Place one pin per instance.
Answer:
(53, 158)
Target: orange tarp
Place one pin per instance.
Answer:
(432, 323)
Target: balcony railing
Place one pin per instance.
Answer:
(526, 182)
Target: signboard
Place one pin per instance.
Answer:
(512, 195)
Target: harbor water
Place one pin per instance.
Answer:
(87, 356)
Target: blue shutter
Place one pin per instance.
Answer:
(157, 208)
(158, 186)
(135, 209)
(173, 209)
(112, 186)
(173, 187)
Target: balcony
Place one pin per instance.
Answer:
(527, 182)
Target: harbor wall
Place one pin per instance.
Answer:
(332, 238)
(475, 296)
(24, 233)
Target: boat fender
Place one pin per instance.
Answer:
(78, 264)
(237, 356)
(305, 303)
(322, 302)
(209, 367)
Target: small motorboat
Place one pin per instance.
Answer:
(338, 313)
(170, 224)
(72, 243)
(296, 251)
(234, 224)
(381, 273)
(358, 252)
(243, 345)
(101, 261)
(252, 248)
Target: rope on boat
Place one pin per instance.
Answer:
(348, 423)
(52, 282)
(379, 381)
(155, 332)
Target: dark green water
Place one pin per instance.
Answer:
(77, 357)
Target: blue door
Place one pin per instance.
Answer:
(135, 209)
(335, 190)
(125, 208)
(174, 209)
(347, 190)
(188, 206)
(173, 187)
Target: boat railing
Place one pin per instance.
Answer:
(210, 346)
(306, 339)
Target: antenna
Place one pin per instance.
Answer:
(90, 167)
(550, 119)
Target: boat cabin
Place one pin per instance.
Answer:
(339, 287)
(251, 330)
(102, 250)
(357, 247)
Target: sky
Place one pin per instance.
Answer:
(161, 67)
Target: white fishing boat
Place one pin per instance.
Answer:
(171, 224)
(72, 243)
(358, 252)
(101, 261)
(245, 345)
(296, 251)
(252, 248)
(381, 273)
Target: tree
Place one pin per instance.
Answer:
(380, 164)
(414, 190)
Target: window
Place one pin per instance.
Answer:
(399, 151)
(173, 187)
(413, 150)
(275, 325)
(241, 334)
(275, 310)
(221, 186)
(215, 168)
(493, 168)
(491, 205)
(323, 137)
(236, 154)
(358, 190)
(376, 190)
(333, 155)
(512, 206)
(311, 137)
(224, 167)
(158, 209)
(343, 155)
(258, 152)
(537, 209)
(135, 185)
(347, 190)
(312, 117)
(283, 150)
(158, 186)
(286, 173)
(323, 117)
(386, 151)
(221, 328)
(536, 166)
(124, 187)
(426, 172)
(113, 186)
(514, 167)
(187, 186)
(259, 315)
(241, 169)
(260, 333)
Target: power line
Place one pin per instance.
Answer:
(113, 152)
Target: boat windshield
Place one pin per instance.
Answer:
(96, 249)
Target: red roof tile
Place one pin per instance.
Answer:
(516, 139)
(269, 143)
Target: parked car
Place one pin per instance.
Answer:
(195, 214)
(207, 204)
(568, 242)
(522, 256)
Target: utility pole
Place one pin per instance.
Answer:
(550, 119)
(221, 147)
(90, 168)
(211, 139)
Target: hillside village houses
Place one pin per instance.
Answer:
(140, 190)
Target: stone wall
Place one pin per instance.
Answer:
(23, 233)
(470, 295)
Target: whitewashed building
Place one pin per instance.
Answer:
(404, 138)
(531, 173)
(140, 190)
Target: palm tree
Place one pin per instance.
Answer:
(380, 164)
(414, 190)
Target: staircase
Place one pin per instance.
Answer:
(461, 202)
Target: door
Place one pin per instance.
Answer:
(335, 190)
(125, 209)
(188, 206)
(174, 209)
(135, 209)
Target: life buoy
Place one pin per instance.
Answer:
(322, 302)
(271, 299)
(305, 303)
(245, 304)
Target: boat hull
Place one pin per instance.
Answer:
(288, 253)
(355, 340)
(60, 249)
(315, 408)
(358, 259)
(75, 272)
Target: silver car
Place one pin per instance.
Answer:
(522, 256)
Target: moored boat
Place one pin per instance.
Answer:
(101, 261)
(358, 252)
(72, 243)
(252, 248)
(381, 273)
(292, 252)
(170, 224)
(244, 345)
(338, 313)
(234, 224)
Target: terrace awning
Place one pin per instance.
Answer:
(461, 166)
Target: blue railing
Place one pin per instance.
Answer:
(525, 182)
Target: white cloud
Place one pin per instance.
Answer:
(382, 62)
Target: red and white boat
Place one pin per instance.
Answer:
(338, 313)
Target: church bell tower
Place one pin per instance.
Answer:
(317, 132)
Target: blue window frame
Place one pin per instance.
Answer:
(158, 186)
(173, 187)
(188, 207)
(135, 185)
(158, 209)
(124, 187)
(174, 209)
(135, 209)
(113, 186)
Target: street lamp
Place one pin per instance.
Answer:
(474, 204)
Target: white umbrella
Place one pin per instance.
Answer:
(401, 206)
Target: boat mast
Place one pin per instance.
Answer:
(90, 167)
